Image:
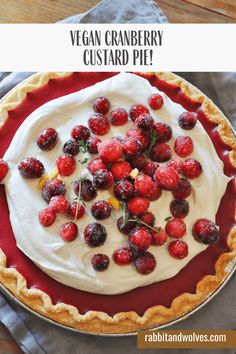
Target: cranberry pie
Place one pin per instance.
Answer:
(118, 198)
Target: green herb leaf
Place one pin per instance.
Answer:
(168, 218)
(83, 147)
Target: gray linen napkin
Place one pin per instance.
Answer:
(36, 336)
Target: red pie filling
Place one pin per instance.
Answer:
(140, 299)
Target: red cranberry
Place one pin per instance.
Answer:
(140, 239)
(99, 124)
(183, 190)
(176, 163)
(192, 168)
(155, 193)
(75, 211)
(118, 116)
(121, 169)
(3, 169)
(101, 210)
(166, 178)
(102, 179)
(179, 208)
(138, 205)
(187, 120)
(176, 228)
(155, 101)
(123, 190)
(145, 263)
(143, 185)
(110, 150)
(47, 217)
(53, 188)
(101, 105)
(131, 147)
(66, 165)
(47, 139)
(69, 231)
(80, 132)
(71, 147)
(31, 168)
(178, 249)
(138, 162)
(159, 237)
(161, 152)
(140, 136)
(149, 167)
(206, 231)
(100, 262)
(144, 122)
(164, 132)
(92, 144)
(95, 234)
(125, 227)
(183, 146)
(136, 110)
(96, 165)
(59, 204)
(123, 256)
(148, 218)
(88, 191)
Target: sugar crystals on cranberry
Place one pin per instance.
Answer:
(95, 234)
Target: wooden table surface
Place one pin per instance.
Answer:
(177, 11)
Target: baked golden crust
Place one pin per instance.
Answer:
(100, 322)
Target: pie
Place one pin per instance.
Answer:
(118, 198)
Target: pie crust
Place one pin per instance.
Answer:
(123, 322)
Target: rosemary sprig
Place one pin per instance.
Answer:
(83, 146)
(168, 218)
(153, 138)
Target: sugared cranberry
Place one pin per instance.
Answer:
(100, 262)
(140, 239)
(166, 178)
(66, 165)
(145, 263)
(101, 210)
(183, 190)
(47, 139)
(47, 217)
(192, 168)
(161, 152)
(145, 122)
(143, 185)
(101, 105)
(95, 234)
(59, 204)
(53, 188)
(159, 237)
(155, 101)
(96, 165)
(148, 218)
(125, 227)
(110, 150)
(131, 147)
(69, 231)
(118, 116)
(164, 132)
(121, 169)
(149, 167)
(123, 256)
(138, 205)
(179, 208)
(136, 110)
(206, 231)
(178, 249)
(88, 191)
(102, 179)
(155, 193)
(140, 136)
(92, 144)
(80, 132)
(99, 124)
(176, 163)
(138, 161)
(176, 228)
(71, 147)
(75, 211)
(31, 168)
(3, 169)
(123, 190)
(183, 146)
(187, 120)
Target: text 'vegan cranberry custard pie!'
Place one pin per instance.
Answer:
(117, 198)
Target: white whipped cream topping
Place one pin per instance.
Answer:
(70, 263)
